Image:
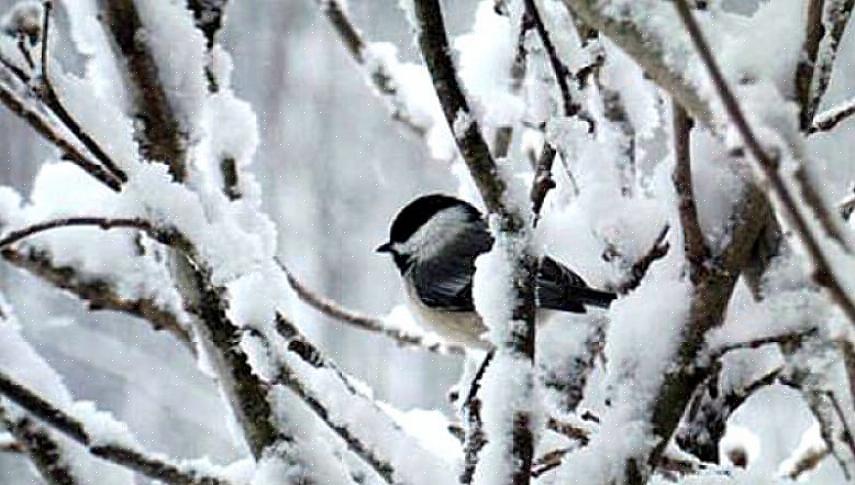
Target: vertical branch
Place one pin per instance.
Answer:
(161, 137)
(516, 350)
(834, 18)
(814, 32)
(693, 237)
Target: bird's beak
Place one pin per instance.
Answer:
(384, 248)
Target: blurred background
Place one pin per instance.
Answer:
(334, 169)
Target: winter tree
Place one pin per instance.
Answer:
(687, 155)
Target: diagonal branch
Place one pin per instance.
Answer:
(823, 273)
(98, 293)
(829, 118)
(49, 97)
(134, 459)
(41, 448)
(371, 324)
(47, 131)
(378, 73)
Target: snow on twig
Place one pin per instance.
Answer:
(823, 273)
(364, 322)
(157, 468)
(828, 119)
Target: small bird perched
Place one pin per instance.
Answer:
(435, 240)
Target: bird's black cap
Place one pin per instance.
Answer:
(419, 211)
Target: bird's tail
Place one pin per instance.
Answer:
(590, 296)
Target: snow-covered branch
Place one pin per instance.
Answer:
(160, 134)
(157, 468)
(828, 119)
(824, 275)
(509, 420)
(380, 70)
(364, 322)
(97, 292)
(827, 20)
(17, 105)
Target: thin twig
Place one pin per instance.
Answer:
(381, 78)
(134, 459)
(159, 234)
(48, 95)
(312, 356)
(829, 118)
(44, 128)
(639, 269)
(99, 294)
(786, 339)
(845, 433)
(823, 273)
(475, 437)
(836, 16)
(371, 324)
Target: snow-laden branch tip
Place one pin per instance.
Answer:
(828, 119)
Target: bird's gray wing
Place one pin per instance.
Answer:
(446, 282)
(559, 288)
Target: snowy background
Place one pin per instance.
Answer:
(334, 170)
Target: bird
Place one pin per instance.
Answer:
(434, 242)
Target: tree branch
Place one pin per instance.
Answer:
(814, 32)
(98, 293)
(382, 79)
(160, 136)
(648, 51)
(161, 235)
(44, 128)
(823, 273)
(829, 118)
(835, 14)
(136, 460)
(694, 244)
(371, 324)
(635, 275)
(47, 94)
(41, 448)
(518, 335)
(355, 440)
